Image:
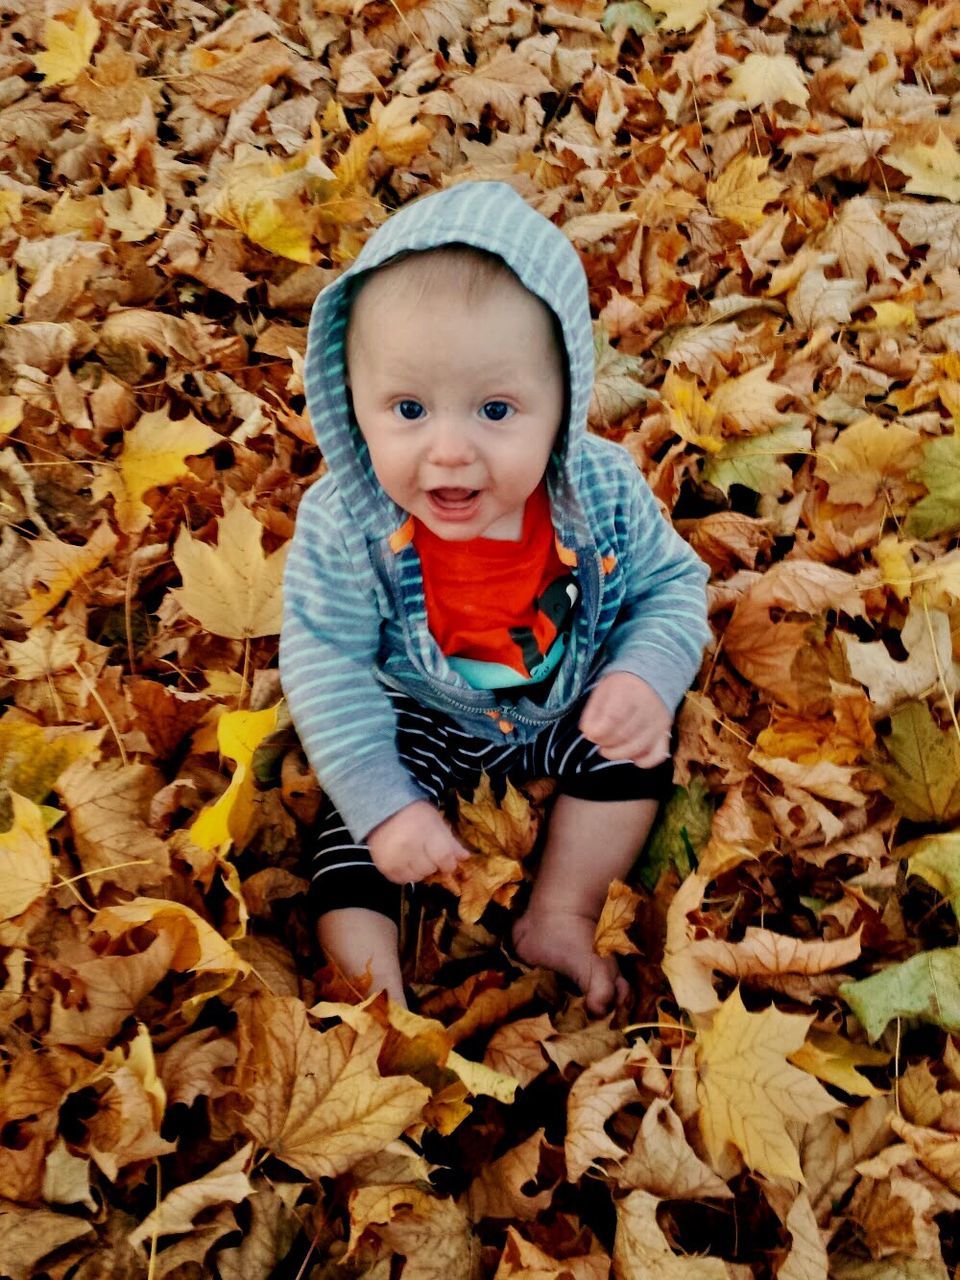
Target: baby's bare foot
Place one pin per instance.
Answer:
(564, 941)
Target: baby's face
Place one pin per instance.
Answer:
(459, 402)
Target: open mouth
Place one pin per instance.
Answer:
(453, 504)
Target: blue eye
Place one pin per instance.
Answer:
(409, 410)
(497, 410)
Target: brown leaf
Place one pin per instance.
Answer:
(316, 1099)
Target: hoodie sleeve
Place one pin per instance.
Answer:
(661, 628)
(328, 643)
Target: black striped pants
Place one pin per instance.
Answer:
(441, 757)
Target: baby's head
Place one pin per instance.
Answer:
(458, 381)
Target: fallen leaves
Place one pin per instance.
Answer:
(766, 206)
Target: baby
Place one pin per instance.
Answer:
(476, 584)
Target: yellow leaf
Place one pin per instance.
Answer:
(26, 867)
(11, 414)
(691, 417)
(896, 569)
(262, 200)
(618, 914)
(398, 138)
(174, 1215)
(68, 48)
(934, 171)
(741, 193)
(9, 303)
(133, 213)
(31, 758)
(835, 1059)
(228, 819)
(154, 454)
(491, 829)
(60, 565)
(682, 15)
(892, 315)
(749, 402)
(869, 456)
(197, 945)
(315, 1099)
(749, 1092)
(232, 589)
(764, 79)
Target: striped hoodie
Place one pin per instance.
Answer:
(354, 615)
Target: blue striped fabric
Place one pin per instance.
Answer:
(355, 620)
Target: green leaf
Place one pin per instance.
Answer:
(756, 461)
(926, 986)
(924, 770)
(682, 830)
(630, 14)
(937, 860)
(939, 511)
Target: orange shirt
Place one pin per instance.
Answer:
(501, 604)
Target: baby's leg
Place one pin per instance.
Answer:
(357, 939)
(357, 908)
(589, 843)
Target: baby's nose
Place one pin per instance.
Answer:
(450, 445)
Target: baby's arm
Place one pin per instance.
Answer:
(661, 628)
(414, 843)
(328, 644)
(627, 720)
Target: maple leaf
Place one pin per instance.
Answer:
(835, 1060)
(522, 1260)
(596, 1094)
(154, 454)
(108, 805)
(933, 171)
(682, 15)
(929, 666)
(618, 385)
(616, 917)
(316, 1099)
(233, 589)
(663, 1162)
(176, 1212)
(68, 48)
(27, 1236)
(756, 462)
(763, 80)
(926, 986)
(262, 199)
(229, 818)
(274, 1225)
(865, 458)
(26, 867)
(60, 566)
(681, 831)
(749, 1093)
(939, 511)
(742, 192)
(641, 1251)
(923, 775)
(501, 83)
(432, 1234)
(498, 1191)
(516, 1048)
(937, 860)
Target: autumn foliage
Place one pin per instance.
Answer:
(767, 203)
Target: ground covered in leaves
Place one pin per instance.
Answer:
(767, 203)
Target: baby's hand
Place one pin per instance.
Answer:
(413, 843)
(627, 720)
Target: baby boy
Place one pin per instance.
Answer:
(476, 583)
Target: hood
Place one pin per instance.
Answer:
(486, 215)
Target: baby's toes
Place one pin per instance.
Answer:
(600, 987)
